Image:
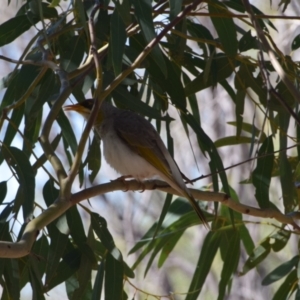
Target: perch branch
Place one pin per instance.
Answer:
(23, 247)
(224, 199)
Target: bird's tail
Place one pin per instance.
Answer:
(197, 209)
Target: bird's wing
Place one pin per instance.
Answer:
(143, 139)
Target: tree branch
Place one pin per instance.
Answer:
(23, 247)
(133, 185)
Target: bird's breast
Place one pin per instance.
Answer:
(124, 160)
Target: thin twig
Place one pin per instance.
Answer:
(243, 162)
(95, 110)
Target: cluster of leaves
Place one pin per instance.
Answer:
(123, 30)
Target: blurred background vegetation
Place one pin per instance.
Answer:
(221, 85)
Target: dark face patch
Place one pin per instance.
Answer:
(89, 103)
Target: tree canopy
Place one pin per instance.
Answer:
(194, 69)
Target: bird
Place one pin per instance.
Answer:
(133, 147)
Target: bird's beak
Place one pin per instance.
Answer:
(74, 107)
(84, 111)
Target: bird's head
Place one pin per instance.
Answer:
(84, 108)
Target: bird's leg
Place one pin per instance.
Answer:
(123, 179)
(142, 186)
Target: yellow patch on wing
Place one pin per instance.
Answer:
(148, 154)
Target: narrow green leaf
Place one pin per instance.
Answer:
(6, 80)
(75, 223)
(58, 244)
(261, 176)
(43, 159)
(67, 131)
(156, 245)
(281, 271)
(84, 290)
(71, 285)
(11, 91)
(14, 123)
(123, 7)
(155, 242)
(238, 5)
(66, 268)
(11, 278)
(40, 251)
(143, 13)
(36, 279)
(25, 175)
(296, 43)
(201, 32)
(247, 42)
(250, 128)
(192, 100)
(160, 243)
(6, 212)
(164, 212)
(245, 78)
(145, 239)
(285, 169)
(94, 158)
(114, 274)
(121, 95)
(175, 8)
(232, 140)
(168, 248)
(246, 239)
(224, 83)
(297, 296)
(257, 256)
(239, 110)
(117, 41)
(207, 146)
(3, 190)
(72, 51)
(14, 27)
(231, 260)
(172, 85)
(224, 211)
(31, 132)
(54, 3)
(80, 16)
(207, 255)
(221, 69)
(225, 28)
(97, 290)
(99, 225)
(49, 86)
(41, 10)
(27, 75)
(50, 193)
(264, 20)
(287, 287)
(281, 238)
